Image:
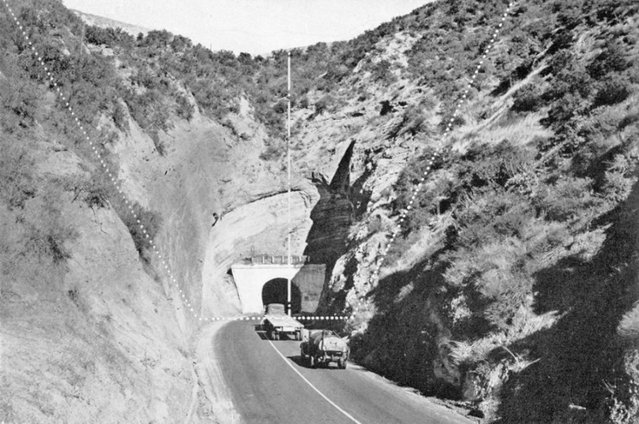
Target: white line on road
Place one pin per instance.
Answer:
(349, 416)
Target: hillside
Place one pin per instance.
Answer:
(510, 286)
(102, 22)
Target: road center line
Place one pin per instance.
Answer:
(349, 416)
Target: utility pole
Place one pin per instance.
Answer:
(288, 168)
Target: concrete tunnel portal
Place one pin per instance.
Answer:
(260, 283)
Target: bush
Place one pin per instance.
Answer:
(527, 98)
(16, 173)
(148, 220)
(120, 117)
(97, 190)
(381, 72)
(47, 235)
(568, 199)
(184, 107)
(107, 36)
(20, 103)
(615, 89)
(272, 152)
(611, 59)
(616, 187)
(323, 104)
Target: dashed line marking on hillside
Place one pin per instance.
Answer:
(163, 262)
(336, 406)
(437, 152)
(300, 318)
(105, 168)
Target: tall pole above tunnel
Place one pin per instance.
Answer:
(288, 168)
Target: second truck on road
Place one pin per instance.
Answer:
(323, 347)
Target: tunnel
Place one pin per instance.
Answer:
(274, 291)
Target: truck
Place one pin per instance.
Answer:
(321, 347)
(277, 323)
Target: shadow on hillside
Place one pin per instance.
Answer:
(400, 341)
(341, 202)
(580, 353)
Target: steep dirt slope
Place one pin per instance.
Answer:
(87, 335)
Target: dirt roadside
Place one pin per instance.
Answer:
(214, 404)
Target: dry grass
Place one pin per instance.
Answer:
(525, 323)
(629, 326)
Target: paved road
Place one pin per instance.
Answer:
(269, 384)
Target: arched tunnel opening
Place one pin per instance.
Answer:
(274, 291)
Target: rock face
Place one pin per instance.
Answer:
(260, 226)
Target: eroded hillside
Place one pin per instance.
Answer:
(511, 282)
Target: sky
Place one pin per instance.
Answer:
(252, 26)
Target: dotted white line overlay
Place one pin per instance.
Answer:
(158, 254)
(129, 205)
(106, 169)
(436, 153)
(300, 318)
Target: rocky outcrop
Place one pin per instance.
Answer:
(257, 227)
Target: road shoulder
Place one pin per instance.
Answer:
(215, 400)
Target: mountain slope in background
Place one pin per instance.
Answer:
(102, 22)
(510, 286)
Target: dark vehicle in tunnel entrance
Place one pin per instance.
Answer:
(275, 291)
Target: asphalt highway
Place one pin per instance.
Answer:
(269, 384)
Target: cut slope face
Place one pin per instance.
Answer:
(87, 334)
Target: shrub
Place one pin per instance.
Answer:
(527, 98)
(47, 236)
(324, 104)
(98, 36)
(615, 89)
(158, 39)
(148, 110)
(184, 107)
(611, 59)
(616, 187)
(16, 173)
(19, 100)
(568, 199)
(146, 220)
(180, 43)
(413, 122)
(489, 275)
(272, 152)
(381, 72)
(120, 117)
(97, 190)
